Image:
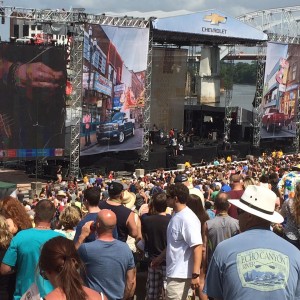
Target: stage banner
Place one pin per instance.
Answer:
(114, 71)
(32, 106)
(281, 91)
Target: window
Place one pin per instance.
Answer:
(86, 48)
(96, 59)
(294, 71)
(39, 27)
(33, 27)
(16, 31)
(25, 30)
(102, 64)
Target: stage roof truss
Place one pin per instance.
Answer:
(281, 21)
(72, 16)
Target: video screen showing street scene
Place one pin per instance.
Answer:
(114, 70)
(281, 91)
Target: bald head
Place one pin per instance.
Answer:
(106, 221)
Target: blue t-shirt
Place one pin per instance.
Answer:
(106, 265)
(23, 254)
(93, 236)
(256, 264)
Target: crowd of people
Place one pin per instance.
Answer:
(219, 231)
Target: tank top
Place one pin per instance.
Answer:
(122, 214)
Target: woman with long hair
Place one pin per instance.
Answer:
(15, 214)
(60, 263)
(7, 282)
(291, 211)
(195, 204)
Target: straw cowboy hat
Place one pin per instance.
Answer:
(61, 193)
(128, 199)
(259, 201)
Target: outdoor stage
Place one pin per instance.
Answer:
(161, 156)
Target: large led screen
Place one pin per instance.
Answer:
(114, 70)
(32, 103)
(281, 91)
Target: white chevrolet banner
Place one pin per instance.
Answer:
(209, 22)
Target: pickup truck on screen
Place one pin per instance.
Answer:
(273, 119)
(117, 129)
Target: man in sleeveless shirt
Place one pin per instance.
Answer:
(125, 217)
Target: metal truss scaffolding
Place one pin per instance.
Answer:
(76, 64)
(228, 85)
(282, 21)
(147, 107)
(192, 73)
(257, 111)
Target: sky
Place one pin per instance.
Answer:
(231, 7)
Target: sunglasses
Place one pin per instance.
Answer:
(43, 274)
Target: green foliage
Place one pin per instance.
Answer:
(241, 73)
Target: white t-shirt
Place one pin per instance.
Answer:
(184, 232)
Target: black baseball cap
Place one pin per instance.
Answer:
(115, 188)
(181, 178)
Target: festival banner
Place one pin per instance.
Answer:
(281, 91)
(114, 70)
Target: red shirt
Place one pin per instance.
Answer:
(234, 194)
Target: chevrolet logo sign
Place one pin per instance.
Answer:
(215, 19)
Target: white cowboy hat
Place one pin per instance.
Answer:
(259, 201)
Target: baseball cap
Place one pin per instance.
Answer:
(181, 178)
(115, 188)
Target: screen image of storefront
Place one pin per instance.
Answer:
(114, 68)
(281, 91)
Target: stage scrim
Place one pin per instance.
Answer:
(114, 70)
(32, 106)
(168, 88)
(281, 91)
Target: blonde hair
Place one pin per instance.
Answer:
(69, 217)
(5, 235)
(248, 181)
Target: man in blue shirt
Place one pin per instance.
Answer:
(24, 251)
(108, 262)
(256, 264)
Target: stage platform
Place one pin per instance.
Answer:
(161, 156)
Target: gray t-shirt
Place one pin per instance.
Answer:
(219, 229)
(256, 264)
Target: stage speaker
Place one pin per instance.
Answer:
(236, 132)
(180, 167)
(139, 173)
(248, 134)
